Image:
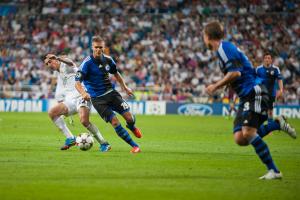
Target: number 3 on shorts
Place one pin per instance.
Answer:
(246, 106)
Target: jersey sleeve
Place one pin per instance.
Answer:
(82, 71)
(230, 56)
(278, 74)
(257, 70)
(111, 67)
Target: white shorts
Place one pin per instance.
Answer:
(73, 104)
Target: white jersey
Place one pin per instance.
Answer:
(59, 91)
(67, 85)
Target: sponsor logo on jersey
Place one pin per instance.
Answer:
(195, 109)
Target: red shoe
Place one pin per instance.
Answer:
(137, 133)
(135, 150)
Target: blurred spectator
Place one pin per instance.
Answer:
(157, 44)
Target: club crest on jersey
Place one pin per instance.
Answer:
(107, 67)
(78, 75)
(272, 72)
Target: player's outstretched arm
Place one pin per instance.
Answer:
(228, 78)
(122, 84)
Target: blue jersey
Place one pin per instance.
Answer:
(233, 60)
(269, 76)
(94, 73)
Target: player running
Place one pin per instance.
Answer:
(94, 73)
(252, 111)
(71, 103)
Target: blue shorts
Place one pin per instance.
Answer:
(252, 111)
(107, 104)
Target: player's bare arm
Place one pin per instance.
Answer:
(63, 59)
(228, 78)
(122, 84)
(82, 91)
(280, 91)
(66, 60)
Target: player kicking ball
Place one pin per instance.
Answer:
(94, 74)
(252, 111)
(72, 102)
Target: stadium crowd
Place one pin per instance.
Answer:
(157, 44)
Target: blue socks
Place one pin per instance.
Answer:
(131, 125)
(268, 128)
(122, 133)
(263, 152)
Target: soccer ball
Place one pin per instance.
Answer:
(84, 141)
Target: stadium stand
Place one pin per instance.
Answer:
(157, 44)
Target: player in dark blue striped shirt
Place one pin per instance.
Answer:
(270, 73)
(94, 74)
(252, 112)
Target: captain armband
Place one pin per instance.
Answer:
(78, 76)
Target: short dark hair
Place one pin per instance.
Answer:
(268, 53)
(214, 30)
(97, 39)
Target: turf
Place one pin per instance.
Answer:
(183, 158)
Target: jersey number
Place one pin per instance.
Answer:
(125, 105)
(246, 106)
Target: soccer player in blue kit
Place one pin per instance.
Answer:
(94, 74)
(252, 111)
(269, 73)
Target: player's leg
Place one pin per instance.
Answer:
(251, 121)
(55, 115)
(130, 120)
(265, 129)
(237, 128)
(121, 106)
(245, 135)
(286, 127)
(279, 123)
(262, 152)
(270, 104)
(232, 110)
(122, 133)
(84, 113)
(106, 113)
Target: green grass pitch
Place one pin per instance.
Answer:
(182, 158)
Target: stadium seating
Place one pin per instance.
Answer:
(157, 44)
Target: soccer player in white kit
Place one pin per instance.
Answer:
(71, 103)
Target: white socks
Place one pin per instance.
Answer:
(95, 131)
(60, 123)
